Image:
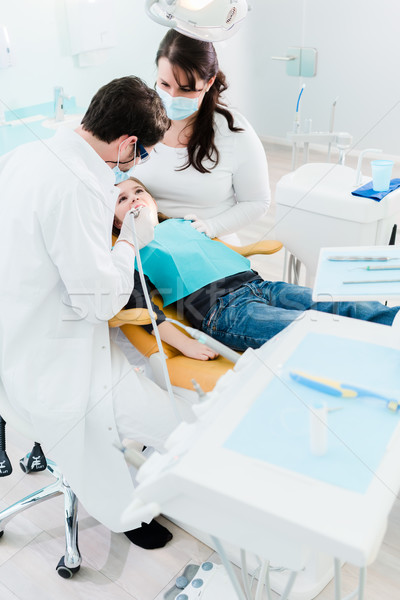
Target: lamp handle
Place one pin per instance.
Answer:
(158, 18)
(284, 57)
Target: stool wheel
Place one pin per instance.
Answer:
(23, 467)
(64, 571)
(1, 533)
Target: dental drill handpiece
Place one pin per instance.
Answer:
(136, 211)
(134, 214)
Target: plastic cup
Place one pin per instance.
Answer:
(381, 174)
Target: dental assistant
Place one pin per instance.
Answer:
(211, 166)
(60, 285)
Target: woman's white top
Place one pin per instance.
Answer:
(235, 193)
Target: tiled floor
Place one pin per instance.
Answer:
(114, 569)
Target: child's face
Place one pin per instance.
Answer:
(131, 195)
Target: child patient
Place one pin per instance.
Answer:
(215, 288)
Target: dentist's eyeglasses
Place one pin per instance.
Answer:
(140, 156)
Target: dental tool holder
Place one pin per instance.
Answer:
(357, 182)
(316, 209)
(342, 140)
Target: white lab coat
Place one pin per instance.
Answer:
(59, 286)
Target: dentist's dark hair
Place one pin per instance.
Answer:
(197, 58)
(126, 106)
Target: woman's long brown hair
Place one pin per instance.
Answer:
(197, 58)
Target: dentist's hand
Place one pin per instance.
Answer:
(143, 227)
(201, 226)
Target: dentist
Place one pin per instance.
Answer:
(60, 285)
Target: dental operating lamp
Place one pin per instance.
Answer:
(207, 20)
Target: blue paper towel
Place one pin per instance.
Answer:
(367, 190)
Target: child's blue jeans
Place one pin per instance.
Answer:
(258, 310)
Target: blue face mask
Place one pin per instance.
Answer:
(178, 108)
(122, 175)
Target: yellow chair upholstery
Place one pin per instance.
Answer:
(139, 316)
(182, 369)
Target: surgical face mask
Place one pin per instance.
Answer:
(178, 108)
(122, 175)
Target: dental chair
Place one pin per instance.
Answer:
(69, 564)
(182, 370)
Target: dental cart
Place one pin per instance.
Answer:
(245, 473)
(315, 209)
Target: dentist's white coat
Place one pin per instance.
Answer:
(59, 285)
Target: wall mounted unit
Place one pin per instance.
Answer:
(91, 30)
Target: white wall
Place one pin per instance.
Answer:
(40, 44)
(358, 47)
(268, 96)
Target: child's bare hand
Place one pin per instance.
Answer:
(185, 344)
(194, 349)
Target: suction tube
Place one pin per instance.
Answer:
(299, 97)
(135, 213)
(296, 124)
(209, 341)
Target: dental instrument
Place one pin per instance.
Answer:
(380, 267)
(339, 389)
(136, 211)
(333, 114)
(341, 139)
(332, 120)
(334, 278)
(134, 214)
(358, 258)
(296, 126)
(374, 281)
